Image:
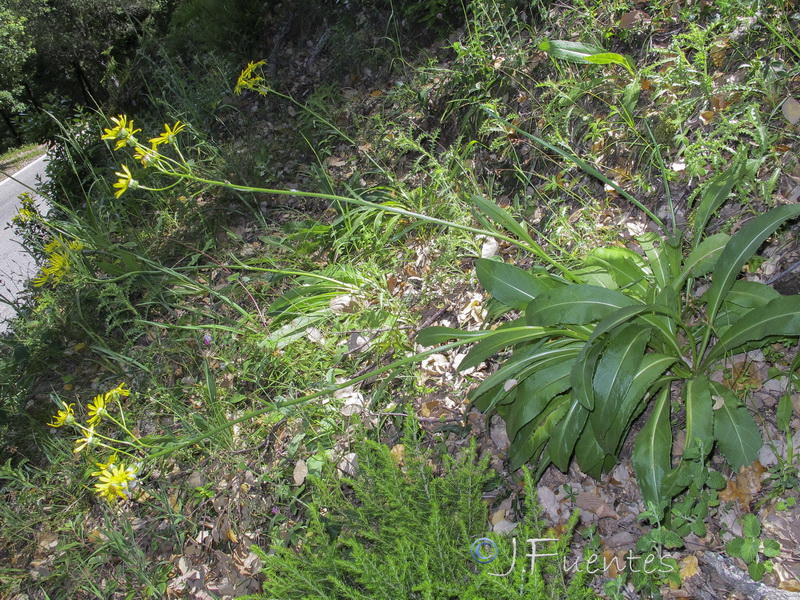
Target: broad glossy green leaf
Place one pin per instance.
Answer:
(738, 437)
(592, 459)
(615, 372)
(652, 449)
(702, 259)
(583, 372)
(534, 395)
(715, 193)
(566, 434)
(574, 304)
(509, 284)
(532, 438)
(431, 336)
(739, 250)
(750, 294)
(532, 400)
(779, 317)
(655, 250)
(584, 53)
(503, 338)
(625, 266)
(611, 58)
(646, 382)
(699, 417)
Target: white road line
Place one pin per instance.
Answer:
(21, 171)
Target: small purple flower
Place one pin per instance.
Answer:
(275, 510)
(207, 339)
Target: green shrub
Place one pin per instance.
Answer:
(397, 530)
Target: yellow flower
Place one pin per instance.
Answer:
(58, 261)
(97, 409)
(123, 132)
(116, 481)
(146, 156)
(250, 80)
(88, 439)
(117, 392)
(126, 181)
(104, 466)
(64, 417)
(168, 137)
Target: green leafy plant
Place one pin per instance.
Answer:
(396, 529)
(595, 347)
(750, 547)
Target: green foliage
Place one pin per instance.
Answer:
(750, 547)
(594, 349)
(399, 530)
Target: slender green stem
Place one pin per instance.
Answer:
(308, 397)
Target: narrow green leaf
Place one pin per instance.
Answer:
(699, 417)
(738, 437)
(430, 336)
(625, 266)
(715, 193)
(534, 395)
(591, 458)
(750, 294)
(653, 246)
(574, 304)
(503, 338)
(702, 259)
(645, 383)
(583, 53)
(615, 372)
(739, 250)
(652, 449)
(583, 372)
(536, 434)
(509, 284)
(566, 434)
(502, 217)
(785, 412)
(779, 317)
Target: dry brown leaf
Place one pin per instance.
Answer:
(791, 110)
(790, 585)
(398, 453)
(732, 493)
(630, 19)
(595, 504)
(748, 479)
(689, 567)
(300, 472)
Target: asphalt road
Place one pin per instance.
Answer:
(15, 265)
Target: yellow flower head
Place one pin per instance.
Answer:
(125, 181)
(123, 132)
(251, 79)
(97, 409)
(117, 392)
(58, 260)
(116, 482)
(104, 466)
(168, 137)
(87, 440)
(64, 417)
(146, 156)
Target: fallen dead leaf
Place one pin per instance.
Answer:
(398, 453)
(732, 493)
(595, 505)
(300, 472)
(748, 479)
(689, 567)
(791, 110)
